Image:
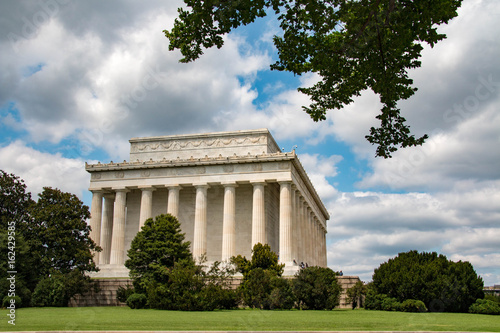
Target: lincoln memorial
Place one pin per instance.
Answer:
(229, 191)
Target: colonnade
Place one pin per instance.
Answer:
(301, 233)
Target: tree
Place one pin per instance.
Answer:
(164, 272)
(23, 264)
(442, 285)
(14, 201)
(14, 215)
(59, 240)
(157, 247)
(51, 242)
(59, 234)
(262, 257)
(262, 285)
(317, 288)
(351, 45)
(356, 294)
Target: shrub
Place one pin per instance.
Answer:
(390, 304)
(493, 298)
(137, 301)
(373, 301)
(6, 302)
(282, 296)
(413, 305)
(122, 294)
(50, 291)
(57, 289)
(256, 288)
(485, 306)
(316, 288)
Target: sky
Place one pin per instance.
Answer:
(80, 78)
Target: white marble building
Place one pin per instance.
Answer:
(229, 190)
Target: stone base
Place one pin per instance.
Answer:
(111, 271)
(109, 283)
(290, 269)
(346, 282)
(106, 296)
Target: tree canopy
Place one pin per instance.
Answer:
(443, 285)
(262, 257)
(351, 45)
(14, 200)
(317, 288)
(59, 234)
(49, 240)
(158, 246)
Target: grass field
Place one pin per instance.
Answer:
(123, 318)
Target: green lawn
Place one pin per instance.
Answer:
(123, 318)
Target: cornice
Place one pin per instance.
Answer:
(164, 163)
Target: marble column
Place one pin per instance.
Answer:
(95, 221)
(310, 258)
(325, 253)
(229, 222)
(285, 244)
(200, 222)
(118, 237)
(258, 214)
(316, 242)
(309, 236)
(173, 200)
(146, 205)
(107, 228)
(300, 230)
(295, 223)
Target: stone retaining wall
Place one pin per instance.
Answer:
(106, 296)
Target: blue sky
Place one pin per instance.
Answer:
(80, 78)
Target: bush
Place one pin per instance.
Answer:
(373, 301)
(6, 302)
(282, 296)
(390, 304)
(137, 301)
(50, 291)
(413, 305)
(316, 288)
(57, 289)
(485, 306)
(493, 298)
(122, 294)
(256, 288)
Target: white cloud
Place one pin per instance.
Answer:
(40, 170)
(465, 152)
(107, 75)
(320, 168)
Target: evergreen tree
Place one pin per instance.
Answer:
(317, 288)
(156, 248)
(442, 285)
(14, 201)
(58, 235)
(262, 285)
